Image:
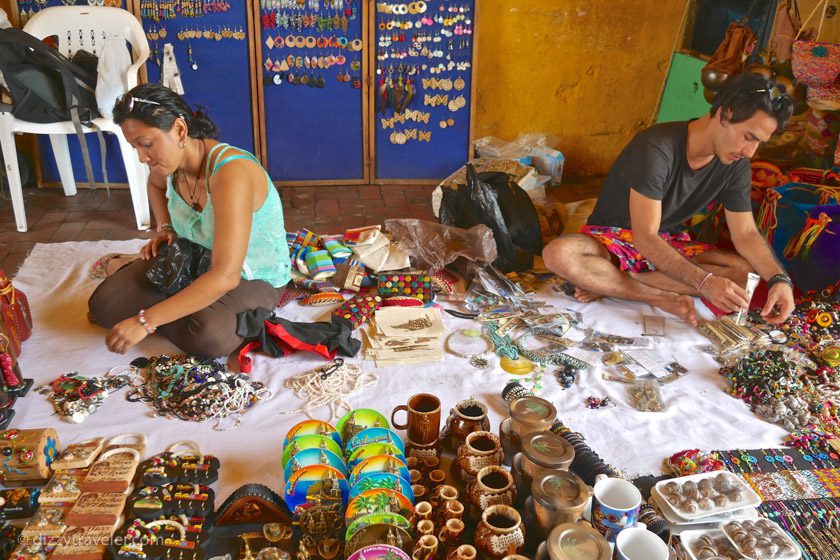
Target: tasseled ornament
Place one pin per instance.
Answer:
(809, 235)
(767, 219)
(410, 92)
(398, 95)
(382, 95)
(7, 365)
(389, 99)
(827, 194)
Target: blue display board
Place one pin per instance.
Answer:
(210, 41)
(423, 56)
(212, 34)
(312, 60)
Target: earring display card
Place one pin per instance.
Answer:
(422, 88)
(312, 56)
(210, 43)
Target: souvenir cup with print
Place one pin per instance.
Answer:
(423, 418)
(615, 506)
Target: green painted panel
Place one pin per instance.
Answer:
(683, 95)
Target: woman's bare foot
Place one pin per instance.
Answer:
(585, 296)
(681, 306)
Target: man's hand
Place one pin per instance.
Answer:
(779, 304)
(725, 294)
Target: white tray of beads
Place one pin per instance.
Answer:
(701, 495)
(680, 524)
(761, 540)
(702, 545)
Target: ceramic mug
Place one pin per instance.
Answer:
(423, 418)
(615, 506)
(637, 543)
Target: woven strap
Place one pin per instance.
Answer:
(824, 4)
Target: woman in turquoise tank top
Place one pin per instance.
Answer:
(210, 194)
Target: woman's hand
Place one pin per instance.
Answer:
(125, 335)
(150, 249)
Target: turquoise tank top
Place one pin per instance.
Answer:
(267, 257)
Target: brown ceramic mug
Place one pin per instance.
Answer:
(423, 418)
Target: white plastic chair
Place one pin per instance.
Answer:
(80, 27)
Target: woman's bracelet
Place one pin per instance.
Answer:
(703, 282)
(167, 227)
(141, 316)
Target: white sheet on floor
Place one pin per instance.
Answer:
(699, 413)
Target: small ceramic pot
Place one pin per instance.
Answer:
(452, 509)
(500, 532)
(481, 449)
(436, 478)
(426, 548)
(429, 464)
(463, 552)
(413, 463)
(531, 414)
(468, 416)
(425, 527)
(415, 476)
(492, 485)
(452, 533)
(422, 418)
(420, 491)
(442, 494)
(423, 510)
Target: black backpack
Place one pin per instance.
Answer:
(47, 87)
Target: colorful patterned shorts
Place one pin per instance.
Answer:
(619, 242)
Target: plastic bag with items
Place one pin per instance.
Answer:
(433, 246)
(177, 265)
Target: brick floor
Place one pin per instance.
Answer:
(94, 215)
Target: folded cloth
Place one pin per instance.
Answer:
(362, 236)
(337, 249)
(264, 331)
(320, 265)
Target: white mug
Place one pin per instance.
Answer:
(637, 543)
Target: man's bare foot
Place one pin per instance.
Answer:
(681, 306)
(585, 296)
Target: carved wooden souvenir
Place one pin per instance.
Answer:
(113, 471)
(47, 522)
(253, 503)
(84, 543)
(18, 503)
(79, 455)
(63, 487)
(92, 509)
(26, 455)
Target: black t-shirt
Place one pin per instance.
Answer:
(655, 165)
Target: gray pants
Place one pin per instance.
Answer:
(208, 333)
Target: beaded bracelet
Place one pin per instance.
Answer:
(166, 226)
(546, 358)
(141, 316)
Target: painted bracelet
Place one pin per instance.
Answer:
(141, 316)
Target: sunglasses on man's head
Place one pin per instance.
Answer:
(129, 102)
(775, 93)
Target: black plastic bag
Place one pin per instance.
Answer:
(177, 265)
(495, 200)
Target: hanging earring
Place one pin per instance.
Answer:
(182, 144)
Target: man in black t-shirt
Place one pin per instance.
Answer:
(634, 245)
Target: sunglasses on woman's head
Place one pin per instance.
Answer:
(775, 93)
(129, 102)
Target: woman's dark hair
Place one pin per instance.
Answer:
(747, 93)
(159, 106)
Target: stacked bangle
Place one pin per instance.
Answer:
(167, 227)
(703, 282)
(141, 316)
(779, 279)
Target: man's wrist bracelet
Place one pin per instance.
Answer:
(779, 279)
(703, 282)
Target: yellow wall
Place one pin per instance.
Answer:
(589, 71)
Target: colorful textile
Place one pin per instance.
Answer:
(830, 479)
(337, 249)
(619, 242)
(320, 265)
